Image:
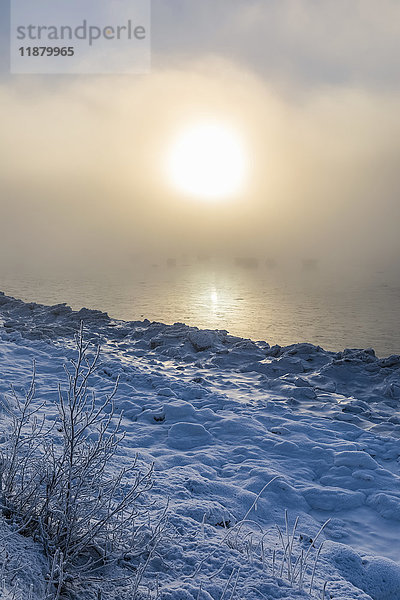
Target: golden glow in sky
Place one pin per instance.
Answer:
(207, 161)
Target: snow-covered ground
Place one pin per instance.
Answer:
(220, 417)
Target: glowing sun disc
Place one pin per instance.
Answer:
(208, 161)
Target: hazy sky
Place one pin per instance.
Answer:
(309, 42)
(312, 86)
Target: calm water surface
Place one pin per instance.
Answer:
(358, 310)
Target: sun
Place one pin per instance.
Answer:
(207, 160)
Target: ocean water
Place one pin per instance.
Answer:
(282, 306)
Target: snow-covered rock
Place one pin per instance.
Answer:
(220, 417)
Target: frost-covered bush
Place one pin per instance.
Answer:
(57, 484)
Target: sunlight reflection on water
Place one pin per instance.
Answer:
(281, 307)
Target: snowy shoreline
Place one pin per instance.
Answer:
(220, 416)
